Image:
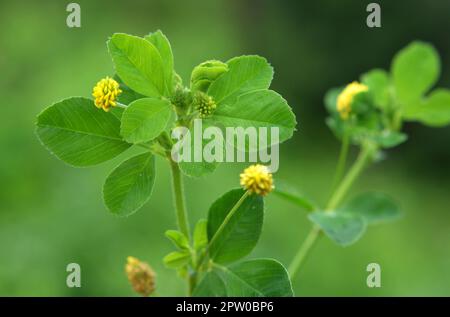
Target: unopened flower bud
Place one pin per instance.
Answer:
(204, 74)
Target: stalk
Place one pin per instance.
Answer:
(226, 220)
(334, 201)
(178, 193)
(342, 160)
(181, 212)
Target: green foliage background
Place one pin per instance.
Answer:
(52, 214)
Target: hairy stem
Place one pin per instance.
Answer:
(334, 201)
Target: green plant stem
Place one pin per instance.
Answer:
(342, 160)
(350, 178)
(303, 251)
(181, 212)
(178, 193)
(192, 282)
(335, 199)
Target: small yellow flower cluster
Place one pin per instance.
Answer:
(345, 98)
(140, 275)
(204, 104)
(257, 179)
(105, 93)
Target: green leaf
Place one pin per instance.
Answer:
(245, 73)
(160, 41)
(178, 239)
(200, 234)
(177, 259)
(197, 169)
(127, 96)
(433, 111)
(191, 167)
(378, 82)
(130, 185)
(288, 192)
(211, 285)
(342, 228)
(253, 278)
(80, 134)
(145, 119)
(260, 108)
(373, 207)
(389, 139)
(241, 233)
(415, 69)
(138, 64)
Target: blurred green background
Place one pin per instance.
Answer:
(52, 214)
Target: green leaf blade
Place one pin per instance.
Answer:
(252, 278)
(289, 193)
(242, 232)
(344, 229)
(160, 41)
(178, 239)
(415, 69)
(378, 82)
(256, 109)
(201, 234)
(245, 73)
(138, 63)
(191, 167)
(375, 208)
(177, 259)
(144, 119)
(78, 133)
(433, 111)
(389, 139)
(130, 185)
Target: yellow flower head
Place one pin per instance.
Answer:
(257, 179)
(140, 275)
(105, 93)
(345, 98)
